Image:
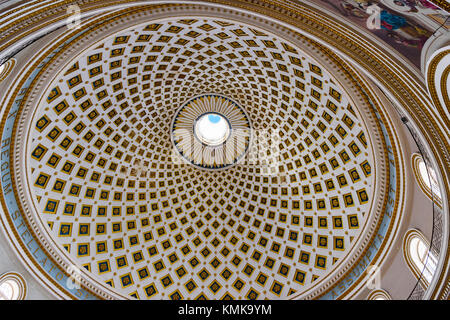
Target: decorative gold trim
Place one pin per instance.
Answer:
(379, 294)
(407, 89)
(409, 235)
(415, 159)
(19, 279)
(342, 69)
(442, 3)
(106, 19)
(8, 67)
(431, 83)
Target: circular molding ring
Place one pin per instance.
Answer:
(211, 157)
(6, 68)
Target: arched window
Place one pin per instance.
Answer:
(418, 256)
(12, 286)
(427, 179)
(379, 294)
(6, 68)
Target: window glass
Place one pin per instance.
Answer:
(12, 286)
(423, 260)
(9, 290)
(427, 179)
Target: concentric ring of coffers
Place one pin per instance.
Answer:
(318, 103)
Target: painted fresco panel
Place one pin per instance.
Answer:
(405, 25)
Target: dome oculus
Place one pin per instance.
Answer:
(211, 131)
(109, 195)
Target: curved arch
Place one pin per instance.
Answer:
(379, 294)
(6, 68)
(424, 126)
(366, 242)
(426, 179)
(421, 261)
(12, 286)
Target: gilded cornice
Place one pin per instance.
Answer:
(375, 228)
(389, 72)
(432, 86)
(442, 4)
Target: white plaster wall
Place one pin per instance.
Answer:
(8, 258)
(10, 262)
(396, 277)
(8, 3)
